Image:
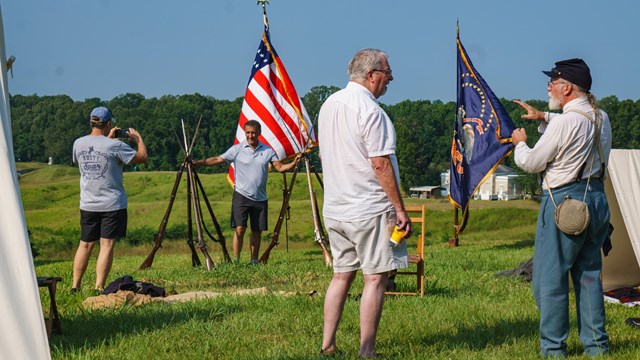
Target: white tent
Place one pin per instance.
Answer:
(22, 331)
(620, 268)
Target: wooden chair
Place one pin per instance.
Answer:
(52, 323)
(417, 214)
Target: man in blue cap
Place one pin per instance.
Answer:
(571, 156)
(103, 202)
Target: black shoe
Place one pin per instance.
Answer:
(74, 291)
(633, 322)
(391, 285)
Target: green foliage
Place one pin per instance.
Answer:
(46, 126)
(314, 99)
(422, 150)
(139, 235)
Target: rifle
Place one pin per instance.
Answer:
(193, 197)
(283, 211)
(195, 200)
(317, 223)
(288, 217)
(163, 224)
(196, 209)
(321, 237)
(221, 238)
(195, 260)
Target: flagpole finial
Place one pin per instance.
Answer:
(264, 4)
(458, 27)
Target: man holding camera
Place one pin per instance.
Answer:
(103, 202)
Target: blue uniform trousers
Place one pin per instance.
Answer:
(557, 255)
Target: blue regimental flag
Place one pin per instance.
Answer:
(481, 137)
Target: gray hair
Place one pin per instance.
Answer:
(584, 92)
(364, 61)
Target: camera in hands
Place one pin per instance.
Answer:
(121, 133)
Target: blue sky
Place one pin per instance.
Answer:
(103, 48)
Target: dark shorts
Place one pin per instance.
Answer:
(109, 225)
(243, 208)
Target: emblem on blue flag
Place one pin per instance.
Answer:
(481, 136)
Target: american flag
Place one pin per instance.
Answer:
(272, 100)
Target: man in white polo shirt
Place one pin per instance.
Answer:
(362, 200)
(251, 160)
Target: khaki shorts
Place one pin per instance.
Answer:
(365, 244)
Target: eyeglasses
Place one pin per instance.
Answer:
(387, 72)
(552, 84)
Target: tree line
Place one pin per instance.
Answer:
(46, 126)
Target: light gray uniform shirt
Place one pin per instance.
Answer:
(101, 162)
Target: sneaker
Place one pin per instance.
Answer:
(74, 290)
(253, 262)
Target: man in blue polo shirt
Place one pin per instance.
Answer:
(251, 160)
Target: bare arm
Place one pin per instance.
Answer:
(212, 161)
(141, 156)
(384, 172)
(282, 167)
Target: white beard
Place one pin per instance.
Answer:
(554, 103)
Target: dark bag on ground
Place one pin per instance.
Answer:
(524, 270)
(572, 216)
(128, 284)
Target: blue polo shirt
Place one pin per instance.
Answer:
(251, 168)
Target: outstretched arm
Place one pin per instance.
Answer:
(212, 161)
(281, 167)
(532, 113)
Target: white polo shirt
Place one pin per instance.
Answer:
(565, 145)
(352, 128)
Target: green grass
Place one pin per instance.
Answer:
(467, 312)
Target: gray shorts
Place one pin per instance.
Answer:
(364, 244)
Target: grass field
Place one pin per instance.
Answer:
(467, 312)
